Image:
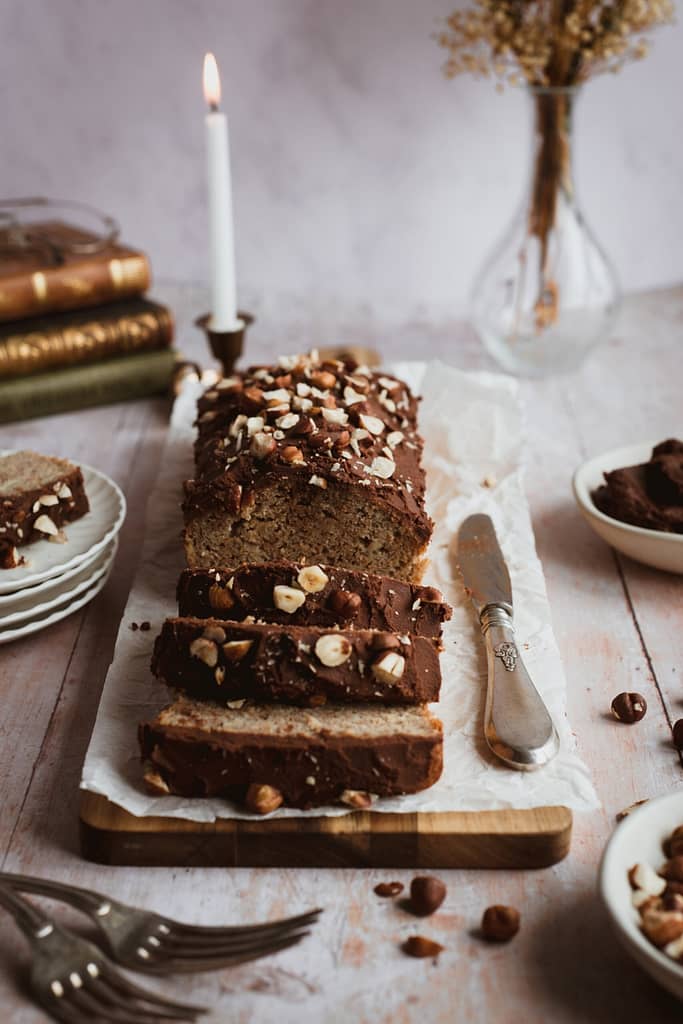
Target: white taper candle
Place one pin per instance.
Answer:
(221, 230)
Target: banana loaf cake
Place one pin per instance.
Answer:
(309, 460)
(312, 595)
(211, 659)
(39, 494)
(306, 758)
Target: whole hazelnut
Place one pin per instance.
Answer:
(387, 889)
(292, 455)
(673, 869)
(662, 926)
(674, 845)
(678, 734)
(427, 893)
(672, 900)
(499, 923)
(386, 642)
(220, 598)
(430, 595)
(629, 707)
(345, 604)
(262, 799)
(419, 946)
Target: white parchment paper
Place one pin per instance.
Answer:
(472, 424)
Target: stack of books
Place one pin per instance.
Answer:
(75, 327)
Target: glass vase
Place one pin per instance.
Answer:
(547, 294)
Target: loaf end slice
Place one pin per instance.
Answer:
(308, 460)
(312, 758)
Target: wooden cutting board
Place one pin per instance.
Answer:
(531, 838)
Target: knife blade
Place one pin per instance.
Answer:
(517, 725)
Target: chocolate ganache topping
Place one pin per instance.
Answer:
(324, 423)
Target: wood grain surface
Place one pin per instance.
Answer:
(618, 626)
(534, 838)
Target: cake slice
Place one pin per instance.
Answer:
(309, 757)
(211, 659)
(39, 494)
(329, 597)
(308, 460)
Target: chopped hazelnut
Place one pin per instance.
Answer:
(389, 667)
(262, 445)
(205, 650)
(372, 424)
(287, 599)
(644, 877)
(262, 799)
(45, 525)
(215, 633)
(356, 798)
(293, 455)
(323, 379)
(235, 650)
(382, 467)
(312, 579)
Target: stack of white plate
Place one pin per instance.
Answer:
(58, 579)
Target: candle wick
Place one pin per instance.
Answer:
(213, 107)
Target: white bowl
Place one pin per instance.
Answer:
(653, 547)
(638, 838)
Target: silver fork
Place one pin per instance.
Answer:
(145, 941)
(75, 983)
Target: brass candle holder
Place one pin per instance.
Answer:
(226, 346)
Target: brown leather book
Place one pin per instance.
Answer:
(35, 281)
(88, 336)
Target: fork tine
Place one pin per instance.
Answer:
(100, 1011)
(119, 1007)
(242, 931)
(190, 965)
(61, 1011)
(183, 1011)
(220, 949)
(172, 942)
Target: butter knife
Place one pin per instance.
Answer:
(517, 725)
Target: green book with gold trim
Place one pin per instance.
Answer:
(78, 387)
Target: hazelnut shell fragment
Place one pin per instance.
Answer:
(419, 946)
(388, 889)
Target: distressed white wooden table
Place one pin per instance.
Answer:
(618, 625)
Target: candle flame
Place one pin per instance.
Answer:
(212, 82)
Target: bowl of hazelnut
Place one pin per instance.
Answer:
(633, 498)
(641, 885)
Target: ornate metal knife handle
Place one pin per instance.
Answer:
(517, 726)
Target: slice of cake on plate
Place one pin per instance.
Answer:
(39, 494)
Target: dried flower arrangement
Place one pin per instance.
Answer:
(552, 46)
